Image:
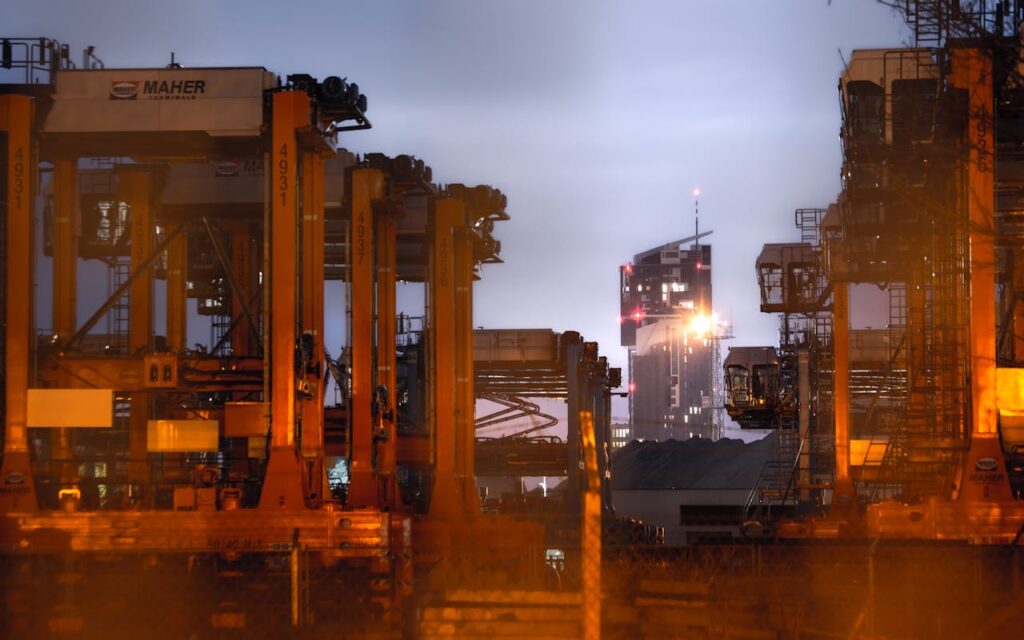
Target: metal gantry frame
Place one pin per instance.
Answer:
(248, 224)
(163, 378)
(919, 215)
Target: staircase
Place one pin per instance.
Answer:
(776, 486)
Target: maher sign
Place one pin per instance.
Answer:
(157, 89)
(216, 102)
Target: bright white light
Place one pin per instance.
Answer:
(696, 193)
(703, 325)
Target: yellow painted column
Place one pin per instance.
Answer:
(591, 531)
(311, 407)
(135, 187)
(1018, 307)
(367, 186)
(464, 389)
(177, 317)
(17, 114)
(65, 287)
(387, 445)
(972, 71)
(841, 361)
(283, 484)
(446, 501)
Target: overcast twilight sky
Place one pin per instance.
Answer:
(597, 119)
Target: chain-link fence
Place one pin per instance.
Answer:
(286, 593)
(469, 588)
(821, 590)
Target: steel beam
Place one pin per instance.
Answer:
(242, 334)
(17, 115)
(1016, 295)
(282, 486)
(972, 71)
(591, 529)
(387, 375)
(446, 502)
(367, 187)
(65, 287)
(311, 406)
(136, 188)
(576, 400)
(465, 403)
(65, 248)
(123, 289)
(238, 292)
(177, 317)
(803, 378)
(602, 429)
(843, 489)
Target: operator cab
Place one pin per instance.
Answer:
(752, 386)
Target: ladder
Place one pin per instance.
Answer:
(220, 324)
(775, 485)
(926, 18)
(118, 317)
(809, 223)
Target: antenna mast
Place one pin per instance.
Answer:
(696, 218)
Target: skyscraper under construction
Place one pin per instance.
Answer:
(666, 327)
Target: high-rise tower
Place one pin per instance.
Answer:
(666, 327)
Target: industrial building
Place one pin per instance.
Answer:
(693, 491)
(664, 325)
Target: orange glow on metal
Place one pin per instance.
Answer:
(465, 435)
(841, 358)
(446, 501)
(387, 373)
(291, 111)
(972, 70)
(311, 407)
(1018, 309)
(282, 487)
(367, 186)
(591, 530)
(16, 117)
(980, 483)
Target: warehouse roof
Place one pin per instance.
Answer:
(691, 464)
